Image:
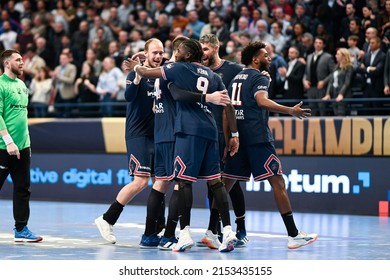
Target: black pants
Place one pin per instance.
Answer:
(19, 169)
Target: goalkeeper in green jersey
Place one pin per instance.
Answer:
(15, 150)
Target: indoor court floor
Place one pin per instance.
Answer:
(69, 233)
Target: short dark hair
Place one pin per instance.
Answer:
(177, 41)
(7, 54)
(250, 51)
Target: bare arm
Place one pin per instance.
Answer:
(270, 105)
(150, 73)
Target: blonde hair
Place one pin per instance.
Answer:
(346, 61)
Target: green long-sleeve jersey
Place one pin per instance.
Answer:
(13, 111)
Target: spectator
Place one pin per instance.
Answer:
(108, 86)
(371, 68)
(291, 77)
(85, 89)
(277, 38)
(386, 89)
(221, 30)
(194, 26)
(319, 65)
(207, 28)
(45, 52)
(252, 28)
(354, 29)
(40, 90)
(8, 37)
(113, 52)
(25, 37)
(136, 42)
(339, 83)
(178, 20)
(79, 41)
(32, 63)
(384, 17)
(277, 61)
(262, 28)
(124, 10)
(63, 77)
(202, 10)
(231, 52)
(354, 52)
(38, 27)
(300, 17)
(369, 18)
(94, 61)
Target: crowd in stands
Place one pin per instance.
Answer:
(73, 50)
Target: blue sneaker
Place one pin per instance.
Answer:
(25, 235)
(167, 243)
(242, 239)
(151, 241)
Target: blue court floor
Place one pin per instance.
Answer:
(70, 234)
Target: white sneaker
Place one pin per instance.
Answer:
(301, 239)
(210, 240)
(229, 240)
(105, 230)
(185, 241)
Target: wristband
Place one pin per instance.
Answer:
(235, 134)
(7, 139)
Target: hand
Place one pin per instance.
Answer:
(282, 71)
(326, 97)
(266, 73)
(13, 150)
(219, 97)
(233, 146)
(306, 84)
(129, 64)
(320, 84)
(339, 98)
(139, 55)
(387, 90)
(300, 113)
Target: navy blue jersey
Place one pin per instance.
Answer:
(252, 120)
(139, 113)
(227, 70)
(194, 118)
(165, 113)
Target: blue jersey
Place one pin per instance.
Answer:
(252, 120)
(194, 118)
(139, 113)
(227, 70)
(165, 113)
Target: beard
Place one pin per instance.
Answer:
(17, 71)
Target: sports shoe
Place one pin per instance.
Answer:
(150, 241)
(210, 240)
(185, 241)
(229, 240)
(167, 243)
(105, 230)
(242, 239)
(301, 239)
(25, 235)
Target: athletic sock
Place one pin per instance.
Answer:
(113, 213)
(153, 207)
(241, 223)
(288, 220)
(173, 215)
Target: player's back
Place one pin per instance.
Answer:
(194, 118)
(252, 120)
